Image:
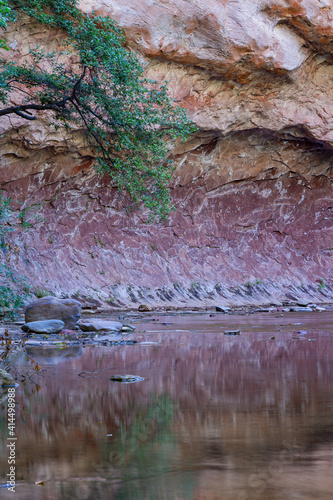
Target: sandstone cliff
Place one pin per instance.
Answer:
(253, 188)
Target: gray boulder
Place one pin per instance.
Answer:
(66, 310)
(303, 303)
(144, 308)
(99, 325)
(6, 379)
(127, 328)
(223, 309)
(47, 326)
(301, 309)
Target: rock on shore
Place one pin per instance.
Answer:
(51, 308)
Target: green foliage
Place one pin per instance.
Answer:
(41, 292)
(5, 216)
(321, 284)
(6, 14)
(129, 119)
(27, 218)
(251, 284)
(14, 289)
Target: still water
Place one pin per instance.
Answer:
(217, 417)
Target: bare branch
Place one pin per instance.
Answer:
(26, 107)
(23, 109)
(26, 115)
(78, 83)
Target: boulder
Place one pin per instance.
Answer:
(47, 326)
(127, 328)
(99, 325)
(6, 379)
(223, 309)
(303, 303)
(144, 308)
(66, 310)
(232, 332)
(3, 394)
(301, 309)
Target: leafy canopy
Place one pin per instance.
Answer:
(6, 15)
(128, 118)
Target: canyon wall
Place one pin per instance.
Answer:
(252, 189)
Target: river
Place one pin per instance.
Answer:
(217, 417)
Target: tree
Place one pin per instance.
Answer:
(128, 119)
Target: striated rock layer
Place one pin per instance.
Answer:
(252, 190)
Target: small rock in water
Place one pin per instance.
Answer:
(6, 379)
(47, 326)
(144, 308)
(99, 325)
(69, 332)
(232, 332)
(127, 328)
(300, 309)
(126, 379)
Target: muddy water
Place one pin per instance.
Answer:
(217, 417)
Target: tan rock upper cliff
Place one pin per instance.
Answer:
(253, 189)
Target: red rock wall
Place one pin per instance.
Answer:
(252, 190)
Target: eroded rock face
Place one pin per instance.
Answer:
(253, 188)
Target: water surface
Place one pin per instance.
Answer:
(217, 417)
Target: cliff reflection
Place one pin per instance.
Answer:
(215, 418)
(53, 355)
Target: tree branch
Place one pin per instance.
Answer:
(26, 107)
(78, 83)
(26, 115)
(23, 109)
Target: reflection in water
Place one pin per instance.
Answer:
(215, 418)
(53, 355)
